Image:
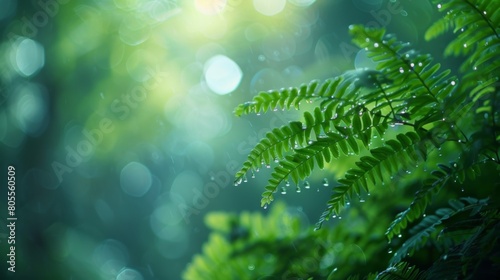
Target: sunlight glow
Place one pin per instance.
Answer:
(210, 7)
(269, 8)
(222, 74)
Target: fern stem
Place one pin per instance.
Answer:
(408, 64)
(483, 16)
(388, 101)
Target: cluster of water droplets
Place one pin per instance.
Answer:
(306, 185)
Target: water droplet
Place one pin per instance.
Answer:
(265, 207)
(307, 185)
(400, 235)
(268, 166)
(439, 6)
(401, 70)
(465, 45)
(298, 189)
(390, 251)
(375, 45)
(325, 182)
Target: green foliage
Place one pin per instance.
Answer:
(407, 123)
(430, 224)
(282, 246)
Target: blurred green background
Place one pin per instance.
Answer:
(117, 116)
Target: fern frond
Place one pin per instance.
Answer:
(422, 231)
(332, 118)
(477, 23)
(284, 98)
(418, 86)
(401, 271)
(272, 147)
(385, 160)
(343, 88)
(332, 145)
(430, 188)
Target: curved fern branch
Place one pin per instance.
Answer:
(429, 225)
(401, 271)
(385, 160)
(417, 84)
(327, 147)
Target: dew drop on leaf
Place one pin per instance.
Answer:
(325, 182)
(307, 185)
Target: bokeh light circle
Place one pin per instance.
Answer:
(135, 179)
(129, 274)
(222, 74)
(186, 186)
(269, 8)
(302, 3)
(28, 57)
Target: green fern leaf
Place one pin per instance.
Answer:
(385, 160)
(417, 86)
(429, 225)
(401, 271)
